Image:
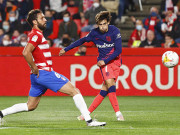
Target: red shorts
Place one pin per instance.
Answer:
(110, 71)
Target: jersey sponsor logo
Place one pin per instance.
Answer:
(96, 38)
(34, 38)
(105, 45)
(118, 36)
(108, 38)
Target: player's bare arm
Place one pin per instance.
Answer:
(27, 53)
(61, 52)
(101, 63)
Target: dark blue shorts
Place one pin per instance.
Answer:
(46, 80)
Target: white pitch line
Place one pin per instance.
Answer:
(6, 127)
(104, 111)
(93, 128)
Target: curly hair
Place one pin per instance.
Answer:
(103, 15)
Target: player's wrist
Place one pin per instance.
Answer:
(34, 67)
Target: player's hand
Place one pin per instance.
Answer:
(35, 70)
(61, 52)
(101, 63)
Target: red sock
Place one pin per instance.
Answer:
(97, 101)
(114, 101)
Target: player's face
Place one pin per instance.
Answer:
(103, 26)
(41, 21)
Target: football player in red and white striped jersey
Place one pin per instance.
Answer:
(38, 57)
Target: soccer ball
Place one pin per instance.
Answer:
(170, 59)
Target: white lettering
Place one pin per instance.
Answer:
(105, 45)
(91, 78)
(73, 76)
(123, 78)
(158, 78)
(147, 85)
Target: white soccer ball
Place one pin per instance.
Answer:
(170, 59)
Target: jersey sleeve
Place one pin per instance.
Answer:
(89, 36)
(35, 39)
(79, 42)
(117, 46)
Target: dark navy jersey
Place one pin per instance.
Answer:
(109, 44)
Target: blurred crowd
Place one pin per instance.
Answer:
(160, 29)
(69, 20)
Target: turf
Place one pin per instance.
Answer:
(57, 115)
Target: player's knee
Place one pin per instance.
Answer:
(74, 91)
(110, 83)
(32, 107)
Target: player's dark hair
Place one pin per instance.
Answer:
(103, 15)
(32, 15)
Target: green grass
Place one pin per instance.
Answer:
(57, 115)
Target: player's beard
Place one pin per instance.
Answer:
(41, 27)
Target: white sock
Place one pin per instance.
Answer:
(21, 107)
(81, 105)
(118, 113)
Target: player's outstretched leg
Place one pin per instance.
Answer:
(69, 89)
(13, 109)
(21, 107)
(98, 100)
(114, 102)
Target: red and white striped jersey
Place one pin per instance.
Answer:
(41, 54)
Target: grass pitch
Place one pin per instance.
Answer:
(57, 115)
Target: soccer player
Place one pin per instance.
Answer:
(38, 57)
(108, 40)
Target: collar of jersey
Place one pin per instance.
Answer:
(36, 30)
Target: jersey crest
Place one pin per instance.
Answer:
(34, 38)
(108, 38)
(118, 36)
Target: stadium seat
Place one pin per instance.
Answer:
(78, 23)
(37, 4)
(26, 32)
(56, 24)
(59, 21)
(83, 34)
(88, 44)
(85, 23)
(73, 10)
(55, 32)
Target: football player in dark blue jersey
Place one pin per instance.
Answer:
(107, 39)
